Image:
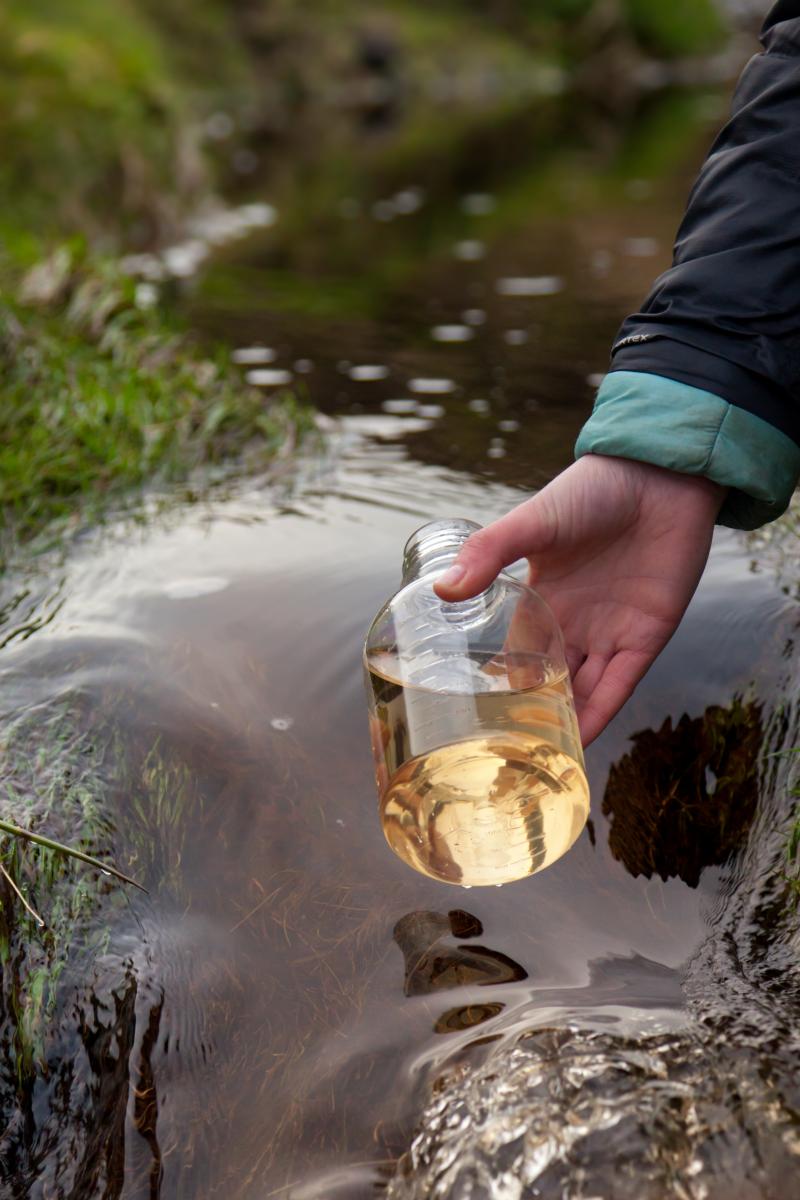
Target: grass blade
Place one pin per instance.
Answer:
(14, 888)
(49, 844)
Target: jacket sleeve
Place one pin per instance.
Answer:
(721, 328)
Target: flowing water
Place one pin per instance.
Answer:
(292, 1012)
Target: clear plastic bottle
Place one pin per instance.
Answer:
(479, 764)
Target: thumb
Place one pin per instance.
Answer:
(526, 530)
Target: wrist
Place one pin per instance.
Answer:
(678, 490)
(658, 420)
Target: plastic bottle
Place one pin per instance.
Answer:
(478, 760)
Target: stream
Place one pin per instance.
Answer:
(289, 1002)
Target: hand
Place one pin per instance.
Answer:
(616, 548)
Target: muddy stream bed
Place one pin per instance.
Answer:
(277, 1016)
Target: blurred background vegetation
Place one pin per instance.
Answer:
(104, 107)
(120, 122)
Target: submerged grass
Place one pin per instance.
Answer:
(792, 869)
(80, 768)
(53, 775)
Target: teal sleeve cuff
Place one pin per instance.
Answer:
(658, 420)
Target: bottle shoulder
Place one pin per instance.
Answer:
(419, 592)
(416, 615)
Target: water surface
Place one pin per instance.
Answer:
(271, 1020)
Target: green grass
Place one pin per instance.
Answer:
(792, 870)
(100, 108)
(100, 399)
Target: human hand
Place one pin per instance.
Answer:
(616, 548)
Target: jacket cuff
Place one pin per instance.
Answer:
(657, 420)
(705, 359)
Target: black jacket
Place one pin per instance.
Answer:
(726, 316)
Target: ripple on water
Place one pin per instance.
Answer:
(187, 589)
(278, 845)
(529, 285)
(281, 724)
(640, 247)
(452, 333)
(431, 386)
(253, 355)
(470, 250)
(408, 201)
(368, 372)
(479, 406)
(268, 377)
(399, 407)
(477, 204)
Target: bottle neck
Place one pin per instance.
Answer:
(432, 548)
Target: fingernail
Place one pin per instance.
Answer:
(452, 576)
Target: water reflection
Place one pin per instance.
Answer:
(502, 284)
(612, 1103)
(256, 1000)
(684, 797)
(456, 1020)
(431, 966)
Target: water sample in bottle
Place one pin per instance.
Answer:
(478, 760)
